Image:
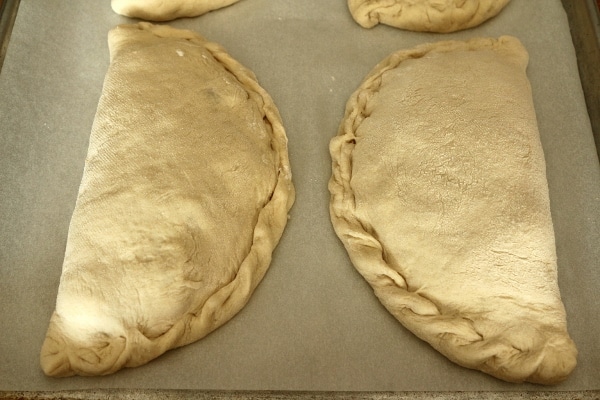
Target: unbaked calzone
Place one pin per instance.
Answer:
(161, 10)
(439, 194)
(425, 15)
(185, 194)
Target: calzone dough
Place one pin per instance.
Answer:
(165, 10)
(440, 197)
(425, 15)
(184, 196)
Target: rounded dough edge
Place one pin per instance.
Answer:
(157, 10)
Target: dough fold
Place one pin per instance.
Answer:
(440, 16)
(161, 10)
(184, 196)
(439, 195)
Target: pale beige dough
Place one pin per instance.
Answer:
(440, 197)
(166, 10)
(425, 15)
(185, 194)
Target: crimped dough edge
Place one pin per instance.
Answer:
(425, 15)
(59, 359)
(456, 338)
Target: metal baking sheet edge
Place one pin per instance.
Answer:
(8, 13)
(113, 394)
(584, 21)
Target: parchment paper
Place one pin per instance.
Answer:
(313, 323)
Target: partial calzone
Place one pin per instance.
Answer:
(425, 15)
(185, 194)
(165, 10)
(440, 197)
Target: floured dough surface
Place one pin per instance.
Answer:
(425, 15)
(440, 197)
(185, 194)
(161, 10)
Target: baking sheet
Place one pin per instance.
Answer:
(313, 323)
